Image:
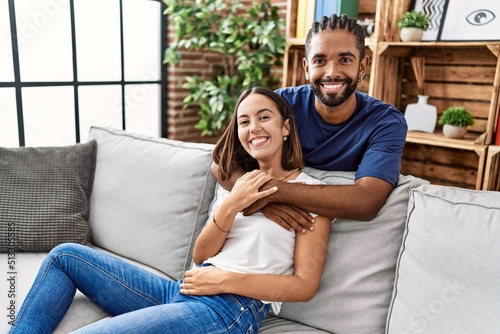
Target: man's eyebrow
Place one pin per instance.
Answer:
(342, 54)
(348, 54)
(318, 55)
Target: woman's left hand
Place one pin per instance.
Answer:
(202, 281)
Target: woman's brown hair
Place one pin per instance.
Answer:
(230, 155)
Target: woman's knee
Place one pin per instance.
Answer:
(66, 249)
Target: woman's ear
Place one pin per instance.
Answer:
(286, 127)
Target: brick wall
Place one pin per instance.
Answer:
(181, 122)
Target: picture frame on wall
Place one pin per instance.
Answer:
(461, 20)
(434, 9)
(466, 20)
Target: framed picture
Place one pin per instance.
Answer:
(434, 9)
(466, 20)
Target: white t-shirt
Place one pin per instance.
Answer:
(256, 244)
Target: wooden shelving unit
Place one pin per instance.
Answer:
(492, 169)
(457, 73)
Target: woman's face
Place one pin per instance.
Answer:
(261, 128)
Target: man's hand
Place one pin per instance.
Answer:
(289, 217)
(202, 281)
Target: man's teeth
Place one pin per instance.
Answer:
(332, 86)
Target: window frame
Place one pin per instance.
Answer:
(18, 84)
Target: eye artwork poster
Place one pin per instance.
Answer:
(461, 20)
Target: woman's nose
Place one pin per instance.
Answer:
(254, 127)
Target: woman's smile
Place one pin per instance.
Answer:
(258, 141)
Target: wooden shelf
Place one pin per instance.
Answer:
(393, 48)
(443, 160)
(470, 142)
(492, 169)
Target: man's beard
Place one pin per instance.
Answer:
(335, 99)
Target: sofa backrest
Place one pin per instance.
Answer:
(358, 277)
(151, 197)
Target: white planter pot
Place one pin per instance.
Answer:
(453, 131)
(411, 34)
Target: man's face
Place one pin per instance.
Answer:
(333, 66)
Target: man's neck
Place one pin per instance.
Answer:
(337, 114)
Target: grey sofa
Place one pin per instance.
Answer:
(427, 263)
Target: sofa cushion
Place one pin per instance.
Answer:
(357, 281)
(448, 269)
(45, 196)
(275, 325)
(151, 197)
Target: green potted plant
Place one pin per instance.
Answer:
(455, 121)
(249, 42)
(412, 25)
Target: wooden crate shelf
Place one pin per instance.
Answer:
(492, 169)
(451, 166)
(470, 142)
(463, 74)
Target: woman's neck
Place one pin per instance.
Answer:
(279, 173)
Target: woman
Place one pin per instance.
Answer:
(243, 262)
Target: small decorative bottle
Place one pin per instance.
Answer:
(421, 116)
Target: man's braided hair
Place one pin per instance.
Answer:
(335, 22)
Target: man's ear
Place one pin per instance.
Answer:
(363, 65)
(305, 65)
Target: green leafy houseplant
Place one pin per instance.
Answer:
(457, 116)
(249, 42)
(413, 19)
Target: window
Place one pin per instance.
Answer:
(66, 65)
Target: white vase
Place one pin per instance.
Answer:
(411, 34)
(421, 116)
(453, 131)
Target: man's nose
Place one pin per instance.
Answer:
(331, 69)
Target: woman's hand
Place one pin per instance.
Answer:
(246, 189)
(202, 281)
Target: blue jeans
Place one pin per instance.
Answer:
(140, 301)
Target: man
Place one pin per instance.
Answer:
(340, 129)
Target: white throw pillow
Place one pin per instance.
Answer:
(448, 273)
